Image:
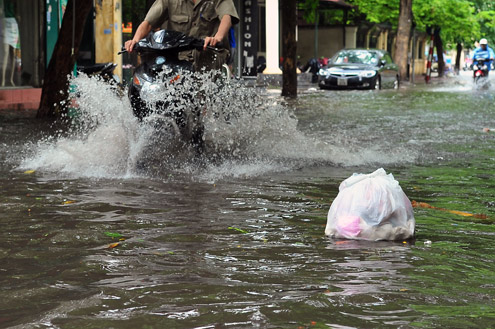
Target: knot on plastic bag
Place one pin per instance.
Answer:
(356, 178)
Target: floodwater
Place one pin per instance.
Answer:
(113, 224)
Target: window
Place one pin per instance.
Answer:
(356, 57)
(19, 43)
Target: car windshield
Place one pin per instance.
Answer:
(356, 57)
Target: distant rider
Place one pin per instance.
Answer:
(485, 53)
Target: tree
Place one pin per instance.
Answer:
(437, 40)
(457, 67)
(54, 93)
(403, 36)
(376, 11)
(485, 15)
(453, 21)
(460, 21)
(289, 48)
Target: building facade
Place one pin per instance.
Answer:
(21, 43)
(29, 30)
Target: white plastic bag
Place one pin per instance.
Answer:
(371, 207)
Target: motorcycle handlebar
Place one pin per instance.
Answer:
(215, 48)
(122, 51)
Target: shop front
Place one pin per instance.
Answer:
(21, 52)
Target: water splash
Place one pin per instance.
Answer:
(246, 133)
(104, 139)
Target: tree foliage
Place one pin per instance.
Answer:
(376, 11)
(460, 21)
(310, 10)
(456, 19)
(485, 12)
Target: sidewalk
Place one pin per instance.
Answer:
(275, 80)
(20, 98)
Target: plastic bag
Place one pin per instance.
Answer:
(371, 207)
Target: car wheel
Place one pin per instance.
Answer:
(377, 85)
(396, 83)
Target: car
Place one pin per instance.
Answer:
(360, 69)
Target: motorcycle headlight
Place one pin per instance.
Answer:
(367, 74)
(149, 90)
(147, 77)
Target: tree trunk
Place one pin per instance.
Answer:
(289, 48)
(458, 58)
(403, 36)
(439, 46)
(56, 83)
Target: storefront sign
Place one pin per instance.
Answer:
(249, 38)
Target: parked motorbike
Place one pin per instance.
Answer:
(103, 70)
(160, 64)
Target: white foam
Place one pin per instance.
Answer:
(246, 134)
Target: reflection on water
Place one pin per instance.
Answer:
(237, 240)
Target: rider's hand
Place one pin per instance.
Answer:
(129, 45)
(211, 41)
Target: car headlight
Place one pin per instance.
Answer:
(367, 74)
(323, 72)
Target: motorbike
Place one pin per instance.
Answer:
(160, 64)
(480, 70)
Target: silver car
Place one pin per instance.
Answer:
(359, 68)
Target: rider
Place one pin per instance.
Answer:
(206, 19)
(485, 53)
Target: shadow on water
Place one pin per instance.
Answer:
(91, 241)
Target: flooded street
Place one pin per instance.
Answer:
(112, 226)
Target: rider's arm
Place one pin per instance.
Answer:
(142, 31)
(223, 29)
(475, 56)
(156, 15)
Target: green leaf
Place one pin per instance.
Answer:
(238, 230)
(113, 235)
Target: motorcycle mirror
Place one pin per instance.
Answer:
(122, 51)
